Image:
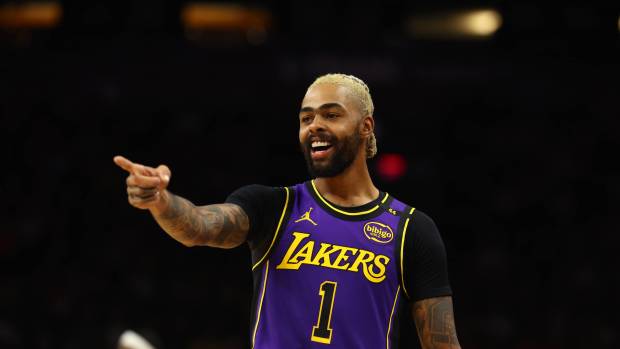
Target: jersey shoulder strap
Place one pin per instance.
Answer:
(402, 243)
(261, 254)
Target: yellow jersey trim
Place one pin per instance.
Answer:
(275, 235)
(345, 212)
(387, 336)
(402, 249)
(260, 305)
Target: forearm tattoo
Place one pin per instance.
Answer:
(222, 225)
(434, 319)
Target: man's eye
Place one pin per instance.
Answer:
(305, 119)
(331, 115)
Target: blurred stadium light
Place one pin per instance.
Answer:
(30, 15)
(463, 24)
(198, 18)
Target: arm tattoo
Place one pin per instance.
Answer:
(434, 319)
(223, 225)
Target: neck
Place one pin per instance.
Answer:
(353, 187)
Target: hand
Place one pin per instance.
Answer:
(146, 186)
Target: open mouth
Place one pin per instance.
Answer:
(319, 146)
(319, 150)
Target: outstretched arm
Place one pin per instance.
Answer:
(221, 225)
(434, 320)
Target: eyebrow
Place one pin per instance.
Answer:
(324, 106)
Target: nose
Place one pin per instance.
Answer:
(316, 126)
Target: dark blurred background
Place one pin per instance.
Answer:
(500, 119)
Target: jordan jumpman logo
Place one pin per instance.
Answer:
(306, 217)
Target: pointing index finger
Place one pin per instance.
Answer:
(124, 163)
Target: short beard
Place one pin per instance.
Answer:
(344, 153)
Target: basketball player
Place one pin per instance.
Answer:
(337, 263)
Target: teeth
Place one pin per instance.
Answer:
(320, 144)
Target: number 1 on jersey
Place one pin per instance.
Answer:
(322, 332)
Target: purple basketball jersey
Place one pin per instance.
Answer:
(331, 278)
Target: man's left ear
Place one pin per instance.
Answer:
(368, 126)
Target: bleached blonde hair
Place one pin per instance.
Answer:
(361, 92)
